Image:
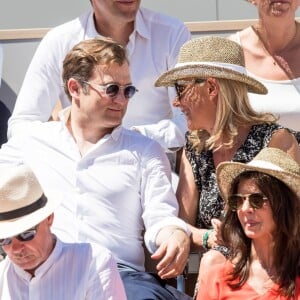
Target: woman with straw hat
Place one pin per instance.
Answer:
(212, 91)
(261, 229)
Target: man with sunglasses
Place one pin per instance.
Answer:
(116, 181)
(153, 41)
(39, 265)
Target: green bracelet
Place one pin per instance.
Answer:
(205, 238)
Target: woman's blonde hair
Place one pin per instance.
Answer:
(233, 110)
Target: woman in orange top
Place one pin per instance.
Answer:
(261, 229)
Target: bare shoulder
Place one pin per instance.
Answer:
(286, 141)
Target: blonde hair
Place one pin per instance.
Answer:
(233, 110)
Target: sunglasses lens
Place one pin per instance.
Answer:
(112, 90)
(179, 89)
(234, 201)
(4, 242)
(256, 200)
(25, 236)
(129, 91)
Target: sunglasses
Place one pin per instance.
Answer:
(181, 85)
(256, 201)
(112, 89)
(25, 236)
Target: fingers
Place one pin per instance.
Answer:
(216, 223)
(174, 255)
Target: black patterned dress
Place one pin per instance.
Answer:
(210, 203)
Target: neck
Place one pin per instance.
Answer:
(262, 252)
(85, 134)
(243, 132)
(278, 38)
(118, 31)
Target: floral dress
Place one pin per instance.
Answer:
(211, 204)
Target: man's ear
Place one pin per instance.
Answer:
(50, 219)
(74, 88)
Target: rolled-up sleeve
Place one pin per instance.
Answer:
(160, 206)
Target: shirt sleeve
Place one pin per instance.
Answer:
(160, 206)
(105, 282)
(10, 152)
(41, 88)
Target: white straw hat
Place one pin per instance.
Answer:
(271, 161)
(22, 201)
(211, 56)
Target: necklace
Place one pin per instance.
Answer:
(277, 59)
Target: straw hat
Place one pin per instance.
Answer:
(211, 56)
(271, 161)
(22, 201)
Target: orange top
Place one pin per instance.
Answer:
(214, 287)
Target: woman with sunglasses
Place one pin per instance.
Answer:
(261, 229)
(212, 91)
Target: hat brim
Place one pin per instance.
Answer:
(228, 171)
(16, 226)
(205, 71)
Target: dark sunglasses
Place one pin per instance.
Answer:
(256, 200)
(25, 236)
(181, 85)
(112, 89)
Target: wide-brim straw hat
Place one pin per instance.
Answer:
(22, 201)
(211, 56)
(271, 161)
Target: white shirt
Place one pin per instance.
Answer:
(72, 271)
(152, 49)
(283, 100)
(122, 183)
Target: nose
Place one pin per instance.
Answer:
(120, 97)
(245, 206)
(16, 246)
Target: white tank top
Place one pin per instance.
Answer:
(283, 99)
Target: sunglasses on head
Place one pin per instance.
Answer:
(113, 89)
(256, 201)
(25, 236)
(181, 85)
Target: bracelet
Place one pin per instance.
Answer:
(205, 238)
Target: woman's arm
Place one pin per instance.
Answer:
(187, 193)
(188, 196)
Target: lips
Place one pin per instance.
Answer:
(250, 223)
(126, 1)
(280, 2)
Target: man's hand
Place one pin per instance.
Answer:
(173, 252)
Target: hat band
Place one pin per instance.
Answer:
(227, 66)
(264, 164)
(20, 212)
